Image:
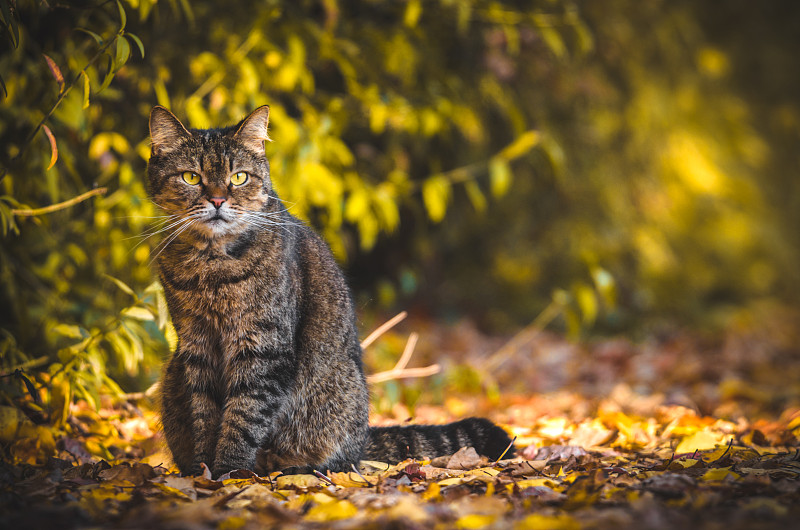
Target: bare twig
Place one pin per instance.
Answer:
(510, 444)
(383, 328)
(27, 364)
(59, 206)
(151, 391)
(400, 371)
(323, 477)
(522, 338)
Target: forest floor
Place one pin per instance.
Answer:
(681, 429)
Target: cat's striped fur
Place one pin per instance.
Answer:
(267, 374)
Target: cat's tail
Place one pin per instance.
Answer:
(394, 444)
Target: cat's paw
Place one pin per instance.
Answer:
(198, 469)
(299, 470)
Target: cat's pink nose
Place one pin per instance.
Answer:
(217, 201)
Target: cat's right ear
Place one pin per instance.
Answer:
(165, 130)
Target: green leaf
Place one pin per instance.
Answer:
(122, 285)
(139, 313)
(435, 195)
(109, 73)
(123, 52)
(123, 18)
(499, 176)
(10, 22)
(137, 41)
(70, 331)
(97, 38)
(3, 86)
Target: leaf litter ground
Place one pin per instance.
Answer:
(678, 431)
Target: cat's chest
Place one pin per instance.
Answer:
(206, 287)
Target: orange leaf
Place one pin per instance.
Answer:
(53, 146)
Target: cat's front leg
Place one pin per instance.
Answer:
(204, 390)
(259, 381)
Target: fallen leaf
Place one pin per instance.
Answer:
(464, 458)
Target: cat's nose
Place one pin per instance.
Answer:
(217, 201)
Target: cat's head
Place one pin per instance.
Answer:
(215, 182)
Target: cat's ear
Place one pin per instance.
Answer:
(165, 130)
(252, 132)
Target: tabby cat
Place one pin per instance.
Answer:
(267, 374)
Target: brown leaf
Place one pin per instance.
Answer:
(553, 452)
(465, 458)
(56, 71)
(137, 474)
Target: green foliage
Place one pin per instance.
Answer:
(477, 156)
(371, 117)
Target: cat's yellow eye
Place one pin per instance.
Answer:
(237, 179)
(189, 177)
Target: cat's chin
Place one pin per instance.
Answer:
(216, 228)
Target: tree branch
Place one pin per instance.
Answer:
(60, 205)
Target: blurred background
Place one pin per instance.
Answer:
(608, 167)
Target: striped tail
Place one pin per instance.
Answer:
(394, 444)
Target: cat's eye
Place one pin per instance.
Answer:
(190, 177)
(237, 179)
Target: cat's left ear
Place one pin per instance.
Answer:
(252, 131)
(166, 131)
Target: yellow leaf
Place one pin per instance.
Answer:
(524, 143)
(232, 523)
(547, 522)
(720, 473)
(139, 313)
(331, 511)
(453, 481)
(700, 441)
(433, 492)
(475, 521)
(352, 480)
(531, 483)
(297, 482)
(483, 472)
(435, 195)
(411, 16)
(499, 176)
(10, 420)
(172, 491)
(587, 301)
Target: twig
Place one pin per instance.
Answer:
(400, 371)
(323, 477)
(522, 338)
(510, 445)
(66, 91)
(383, 328)
(27, 364)
(151, 391)
(60, 205)
(354, 468)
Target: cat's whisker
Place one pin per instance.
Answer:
(264, 223)
(172, 222)
(165, 243)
